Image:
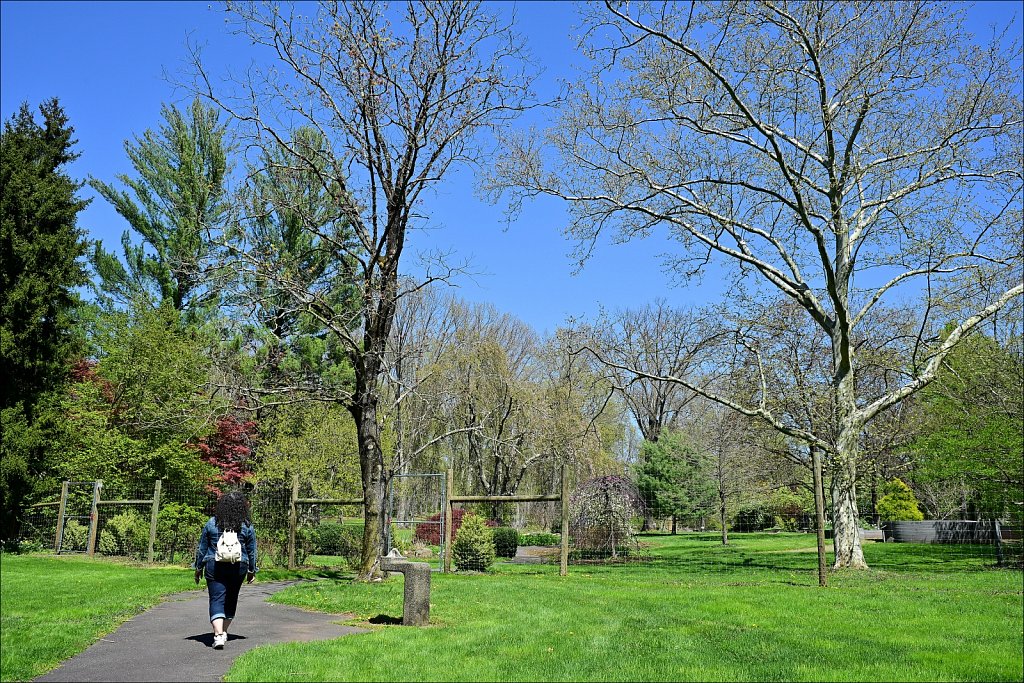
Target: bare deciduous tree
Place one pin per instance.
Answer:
(399, 93)
(843, 154)
(663, 341)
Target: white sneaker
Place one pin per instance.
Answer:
(219, 640)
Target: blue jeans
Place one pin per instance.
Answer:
(224, 586)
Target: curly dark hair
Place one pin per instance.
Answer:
(232, 511)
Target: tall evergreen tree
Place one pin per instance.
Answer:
(40, 248)
(292, 219)
(676, 478)
(179, 194)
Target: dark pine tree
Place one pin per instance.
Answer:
(40, 267)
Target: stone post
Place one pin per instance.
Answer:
(416, 600)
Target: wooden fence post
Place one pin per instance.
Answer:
(59, 537)
(153, 519)
(449, 533)
(293, 519)
(564, 563)
(94, 516)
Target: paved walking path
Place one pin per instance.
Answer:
(173, 642)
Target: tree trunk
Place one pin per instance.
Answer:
(673, 525)
(846, 527)
(819, 515)
(722, 513)
(371, 463)
(648, 522)
(846, 519)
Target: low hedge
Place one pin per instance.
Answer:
(540, 538)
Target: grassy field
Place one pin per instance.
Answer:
(55, 607)
(696, 611)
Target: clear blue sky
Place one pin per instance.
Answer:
(106, 63)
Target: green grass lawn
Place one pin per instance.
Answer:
(696, 611)
(54, 607)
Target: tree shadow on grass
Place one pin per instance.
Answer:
(763, 552)
(385, 619)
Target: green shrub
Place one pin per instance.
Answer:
(329, 538)
(125, 534)
(341, 540)
(20, 546)
(506, 540)
(177, 530)
(539, 538)
(898, 503)
(473, 549)
(753, 518)
(272, 547)
(76, 536)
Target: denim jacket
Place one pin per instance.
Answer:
(206, 553)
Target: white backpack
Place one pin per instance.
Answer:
(229, 549)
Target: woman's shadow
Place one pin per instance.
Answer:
(207, 638)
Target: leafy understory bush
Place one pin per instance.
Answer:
(177, 530)
(20, 546)
(473, 549)
(506, 540)
(540, 538)
(272, 547)
(76, 536)
(341, 540)
(125, 534)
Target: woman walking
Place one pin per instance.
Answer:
(227, 555)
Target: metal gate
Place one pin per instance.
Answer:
(421, 496)
(76, 505)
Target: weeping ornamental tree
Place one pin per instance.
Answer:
(399, 94)
(601, 515)
(844, 155)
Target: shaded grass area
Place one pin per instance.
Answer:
(695, 611)
(54, 607)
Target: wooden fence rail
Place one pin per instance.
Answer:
(562, 497)
(94, 519)
(293, 513)
(450, 500)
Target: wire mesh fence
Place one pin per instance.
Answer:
(608, 522)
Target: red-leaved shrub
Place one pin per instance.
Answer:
(429, 532)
